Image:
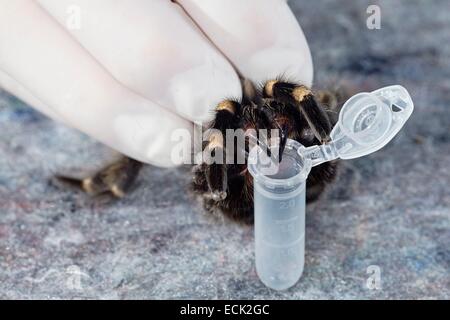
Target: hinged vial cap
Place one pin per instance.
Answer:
(367, 122)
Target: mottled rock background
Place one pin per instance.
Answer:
(390, 209)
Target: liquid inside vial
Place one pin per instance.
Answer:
(287, 168)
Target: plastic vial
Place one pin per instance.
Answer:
(280, 217)
(367, 122)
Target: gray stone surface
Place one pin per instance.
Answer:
(390, 209)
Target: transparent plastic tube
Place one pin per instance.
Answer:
(280, 218)
(367, 122)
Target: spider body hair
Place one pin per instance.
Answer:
(281, 105)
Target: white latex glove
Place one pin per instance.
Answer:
(137, 70)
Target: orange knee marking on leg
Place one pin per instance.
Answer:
(86, 185)
(300, 93)
(268, 88)
(215, 141)
(117, 192)
(227, 105)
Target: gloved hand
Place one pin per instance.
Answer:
(134, 71)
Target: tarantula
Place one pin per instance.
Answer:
(288, 107)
